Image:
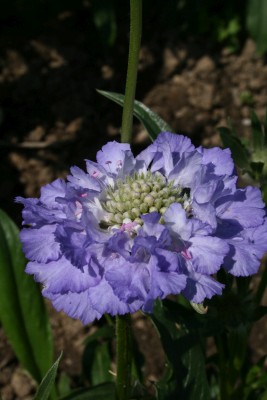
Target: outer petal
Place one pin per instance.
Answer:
(79, 179)
(129, 281)
(246, 251)
(165, 150)
(245, 206)
(219, 159)
(50, 192)
(39, 244)
(61, 276)
(208, 253)
(199, 287)
(76, 305)
(104, 300)
(185, 171)
(178, 143)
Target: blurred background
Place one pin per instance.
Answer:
(201, 63)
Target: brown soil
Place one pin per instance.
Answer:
(53, 118)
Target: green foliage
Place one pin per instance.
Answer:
(256, 17)
(22, 310)
(151, 121)
(185, 377)
(104, 17)
(46, 387)
(105, 391)
(97, 356)
(250, 156)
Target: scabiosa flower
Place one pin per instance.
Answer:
(131, 230)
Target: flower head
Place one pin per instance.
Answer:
(131, 230)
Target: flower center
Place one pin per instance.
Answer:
(142, 194)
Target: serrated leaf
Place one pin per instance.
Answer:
(47, 384)
(185, 356)
(257, 132)
(22, 309)
(153, 123)
(105, 391)
(239, 153)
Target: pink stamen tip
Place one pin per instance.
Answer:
(186, 254)
(128, 227)
(95, 174)
(84, 195)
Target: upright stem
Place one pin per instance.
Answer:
(134, 47)
(123, 322)
(124, 356)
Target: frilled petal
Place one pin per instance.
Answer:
(185, 171)
(37, 214)
(50, 192)
(219, 160)
(116, 158)
(76, 305)
(205, 213)
(104, 300)
(200, 286)
(244, 206)
(79, 179)
(129, 281)
(207, 253)
(61, 276)
(246, 251)
(39, 244)
(74, 244)
(165, 151)
(178, 143)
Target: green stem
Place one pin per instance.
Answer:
(124, 356)
(134, 47)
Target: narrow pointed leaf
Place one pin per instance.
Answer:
(238, 151)
(257, 132)
(153, 123)
(47, 384)
(22, 310)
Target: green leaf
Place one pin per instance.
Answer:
(105, 391)
(256, 22)
(97, 356)
(105, 20)
(239, 153)
(257, 132)
(151, 121)
(22, 310)
(47, 384)
(186, 375)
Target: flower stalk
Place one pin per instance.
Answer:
(124, 356)
(134, 47)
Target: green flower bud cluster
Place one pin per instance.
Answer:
(141, 194)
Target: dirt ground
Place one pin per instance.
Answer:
(52, 118)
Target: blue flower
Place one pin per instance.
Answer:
(131, 230)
